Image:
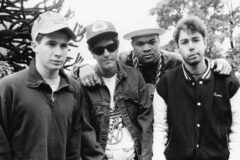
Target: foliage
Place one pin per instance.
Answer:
(15, 29)
(5, 69)
(220, 16)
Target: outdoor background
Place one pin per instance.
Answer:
(16, 16)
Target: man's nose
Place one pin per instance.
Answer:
(58, 52)
(191, 47)
(146, 48)
(105, 52)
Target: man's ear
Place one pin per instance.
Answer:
(94, 56)
(34, 46)
(177, 47)
(177, 50)
(132, 43)
(205, 42)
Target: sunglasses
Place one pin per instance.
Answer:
(100, 50)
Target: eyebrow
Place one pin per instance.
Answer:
(53, 41)
(195, 37)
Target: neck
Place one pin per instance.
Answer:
(46, 73)
(108, 73)
(197, 69)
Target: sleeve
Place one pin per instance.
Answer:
(90, 147)
(78, 67)
(5, 150)
(234, 137)
(160, 127)
(145, 119)
(123, 56)
(74, 140)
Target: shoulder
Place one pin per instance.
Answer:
(171, 56)
(231, 78)
(170, 77)
(122, 56)
(132, 73)
(129, 69)
(13, 83)
(126, 58)
(172, 74)
(15, 78)
(231, 82)
(74, 83)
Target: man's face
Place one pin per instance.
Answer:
(192, 47)
(105, 52)
(146, 48)
(51, 51)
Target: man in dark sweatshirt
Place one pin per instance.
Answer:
(40, 105)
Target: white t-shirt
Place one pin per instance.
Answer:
(120, 144)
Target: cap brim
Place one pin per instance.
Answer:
(142, 32)
(101, 35)
(57, 28)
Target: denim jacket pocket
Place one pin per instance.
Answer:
(132, 106)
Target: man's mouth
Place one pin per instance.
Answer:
(193, 55)
(147, 56)
(56, 62)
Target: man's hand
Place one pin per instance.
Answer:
(221, 66)
(88, 76)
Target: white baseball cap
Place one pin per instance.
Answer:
(49, 22)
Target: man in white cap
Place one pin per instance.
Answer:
(148, 58)
(119, 114)
(40, 105)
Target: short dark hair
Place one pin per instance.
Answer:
(110, 35)
(192, 24)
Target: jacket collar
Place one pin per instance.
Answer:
(206, 76)
(35, 80)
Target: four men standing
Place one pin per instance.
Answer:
(196, 113)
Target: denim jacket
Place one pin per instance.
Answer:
(134, 103)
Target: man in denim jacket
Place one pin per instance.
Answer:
(119, 121)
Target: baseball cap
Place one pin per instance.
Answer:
(49, 22)
(142, 32)
(99, 27)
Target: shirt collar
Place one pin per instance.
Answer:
(35, 79)
(206, 75)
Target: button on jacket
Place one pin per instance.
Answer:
(36, 124)
(133, 102)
